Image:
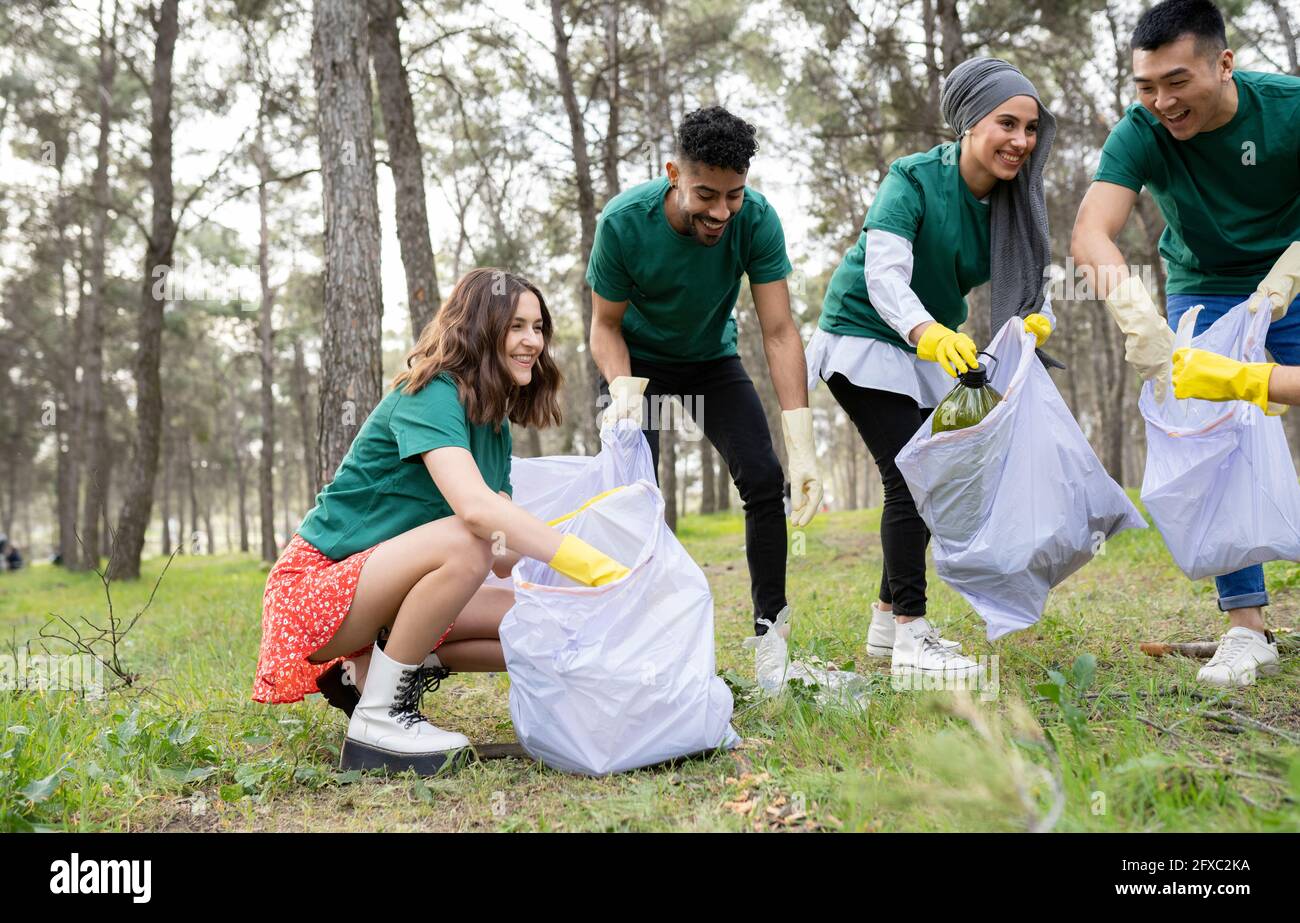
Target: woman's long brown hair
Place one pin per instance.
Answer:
(467, 339)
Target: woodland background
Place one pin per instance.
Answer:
(221, 222)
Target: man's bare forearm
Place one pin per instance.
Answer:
(609, 351)
(1094, 251)
(785, 360)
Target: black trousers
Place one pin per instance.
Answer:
(886, 421)
(720, 398)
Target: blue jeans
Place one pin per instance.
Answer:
(1244, 587)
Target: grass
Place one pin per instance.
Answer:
(1086, 734)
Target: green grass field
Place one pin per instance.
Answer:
(1086, 733)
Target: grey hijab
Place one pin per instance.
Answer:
(1019, 241)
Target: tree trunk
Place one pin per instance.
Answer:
(587, 211)
(107, 536)
(243, 515)
(266, 469)
(933, 71)
(611, 98)
(300, 381)
(533, 439)
(136, 510)
(950, 27)
(852, 447)
(68, 429)
(193, 494)
(1287, 33)
(684, 479)
(207, 510)
(351, 339)
(94, 419)
(226, 518)
(286, 525)
(237, 460)
(978, 324)
(182, 536)
(708, 492)
(165, 545)
(406, 162)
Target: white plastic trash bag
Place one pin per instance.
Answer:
(1019, 501)
(611, 678)
(1219, 482)
(773, 669)
(553, 485)
(557, 484)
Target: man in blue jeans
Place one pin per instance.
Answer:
(1219, 151)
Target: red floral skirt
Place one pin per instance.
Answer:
(307, 597)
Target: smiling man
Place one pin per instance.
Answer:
(665, 273)
(1219, 150)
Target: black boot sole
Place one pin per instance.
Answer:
(364, 757)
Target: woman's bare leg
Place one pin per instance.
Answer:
(472, 646)
(478, 656)
(417, 583)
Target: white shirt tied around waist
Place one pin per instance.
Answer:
(877, 364)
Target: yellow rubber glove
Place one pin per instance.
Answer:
(1039, 326)
(805, 485)
(1148, 340)
(581, 562)
(1281, 285)
(952, 350)
(625, 401)
(1210, 377)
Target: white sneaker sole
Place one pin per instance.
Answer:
(1268, 669)
(972, 672)
(880, 650)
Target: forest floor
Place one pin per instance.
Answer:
(1085, 733)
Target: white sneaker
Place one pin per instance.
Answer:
(918, 649)
(1241, 655)
(387, 731)
(880, 636)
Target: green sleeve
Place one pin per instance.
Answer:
(899, 205)
(431, 418)
(606, 270)
(510, 450)
(1123, 156)
(768, 261)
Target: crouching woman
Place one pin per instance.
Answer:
(388, 567)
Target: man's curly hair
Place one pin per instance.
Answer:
(716, 138)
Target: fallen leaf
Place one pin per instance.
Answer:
(741, 807)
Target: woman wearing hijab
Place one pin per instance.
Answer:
(943, 221)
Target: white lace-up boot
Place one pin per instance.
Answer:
(387, 731)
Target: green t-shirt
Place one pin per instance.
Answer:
(1230, 197)
(382, 488)
(680, 293)
(924, 199)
